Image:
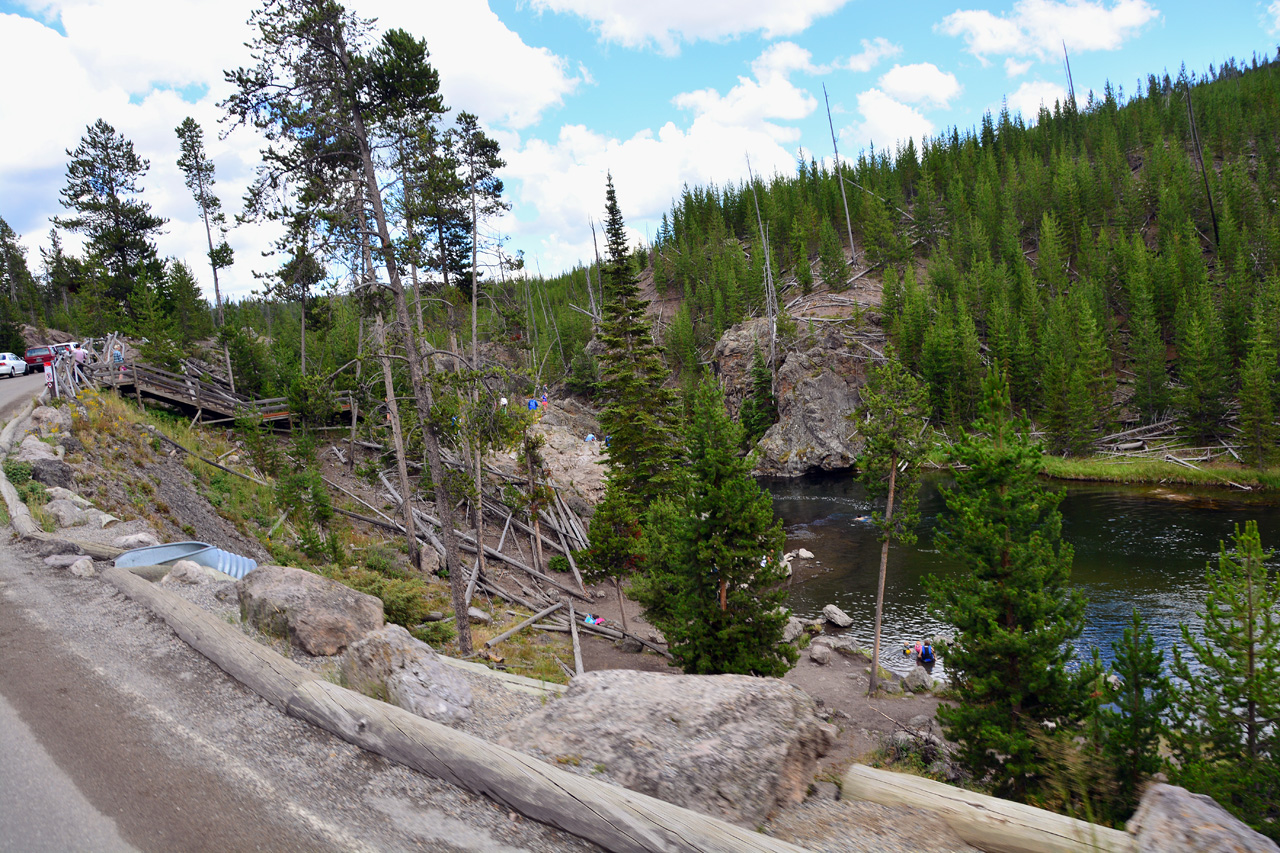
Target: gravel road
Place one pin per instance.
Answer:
(178, 756)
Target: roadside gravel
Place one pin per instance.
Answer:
(199, 717)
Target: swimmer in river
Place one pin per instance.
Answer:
(862, 518)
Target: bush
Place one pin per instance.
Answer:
(17, 472)
(558, 563)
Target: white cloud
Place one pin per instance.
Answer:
(886, 122)
(1016, 67)
(1031, 95)
(60, 84)
(1273, 18)
(513, 83)
(921, 83)
(872, 52)
(563, 180)
(667, 24)
(784, 57)
(1039, 28)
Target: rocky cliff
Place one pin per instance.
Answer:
(823, 367)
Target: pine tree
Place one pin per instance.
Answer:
(759, 409)
(1258, 377)
(831, 260)
(1133, 722)
(639, 413)
(1014, 611)
(1202, 370)
(895, 406)
(713, 557)
(1226, 714)
(104, 192)
(197, 171)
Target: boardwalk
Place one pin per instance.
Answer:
(203, 397)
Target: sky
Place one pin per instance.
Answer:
(660, 93)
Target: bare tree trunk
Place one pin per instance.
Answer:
(617, 585)
(406, 491)
(423, 396)
(840, 177)
(874, 683)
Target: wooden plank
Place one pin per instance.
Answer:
(988, 823)
(615, 818)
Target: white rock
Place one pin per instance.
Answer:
(59, 493)
(189, 572)
(478, 616)
(83, 568)
(135, 540)
(804, 554)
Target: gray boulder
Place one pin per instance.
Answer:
(731, 746)
(51, 472)
(820, 653)
(319, 614)
(68, 514)
(795, 627)
(192, 573)
(61, 493)
(1173, 820)
(919, 680)
(391, 662)
(836, 616)
(49, 420)
(32, 449)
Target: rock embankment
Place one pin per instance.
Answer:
(819, 381)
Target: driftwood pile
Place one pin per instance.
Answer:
(1158, 440)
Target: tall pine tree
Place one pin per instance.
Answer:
(639, 413)
(1013, 609)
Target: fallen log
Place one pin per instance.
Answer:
(493, 641)
(988, 823)
(615, 818)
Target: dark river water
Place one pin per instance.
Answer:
(1135, 546)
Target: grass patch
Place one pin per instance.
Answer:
(530, 653)
(1140, 470)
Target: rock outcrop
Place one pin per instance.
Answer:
(1174, 820)
(728, 745)
(392, 663)
(818, 387)
(319, 614)
(836, 616)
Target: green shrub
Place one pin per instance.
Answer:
(558, 563)
(17, 472)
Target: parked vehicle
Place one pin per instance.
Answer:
(12, 365)
(39, 357)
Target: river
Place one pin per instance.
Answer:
(1135, 546)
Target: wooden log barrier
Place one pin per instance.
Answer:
(615, 818)
(988, 823)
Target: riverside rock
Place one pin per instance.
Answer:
(409, 673)
(731, 746)
(919, 680)
(836, 616)
(819, 381)
(1173, 820)
(319, 614)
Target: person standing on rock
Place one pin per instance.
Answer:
(117, 355)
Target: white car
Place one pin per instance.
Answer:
(12, 365)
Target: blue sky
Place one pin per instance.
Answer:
(662, 93)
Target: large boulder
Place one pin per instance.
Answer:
(919, 680)
(48, 420)
(319, 614)
(819, 383)
(31, 449)
(391, 662)
(731, 746)
(51, 472)
(69, 514)
(1173, 820)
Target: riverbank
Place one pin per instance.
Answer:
(1135, 471)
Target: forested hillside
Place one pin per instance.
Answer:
(1118, 257)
